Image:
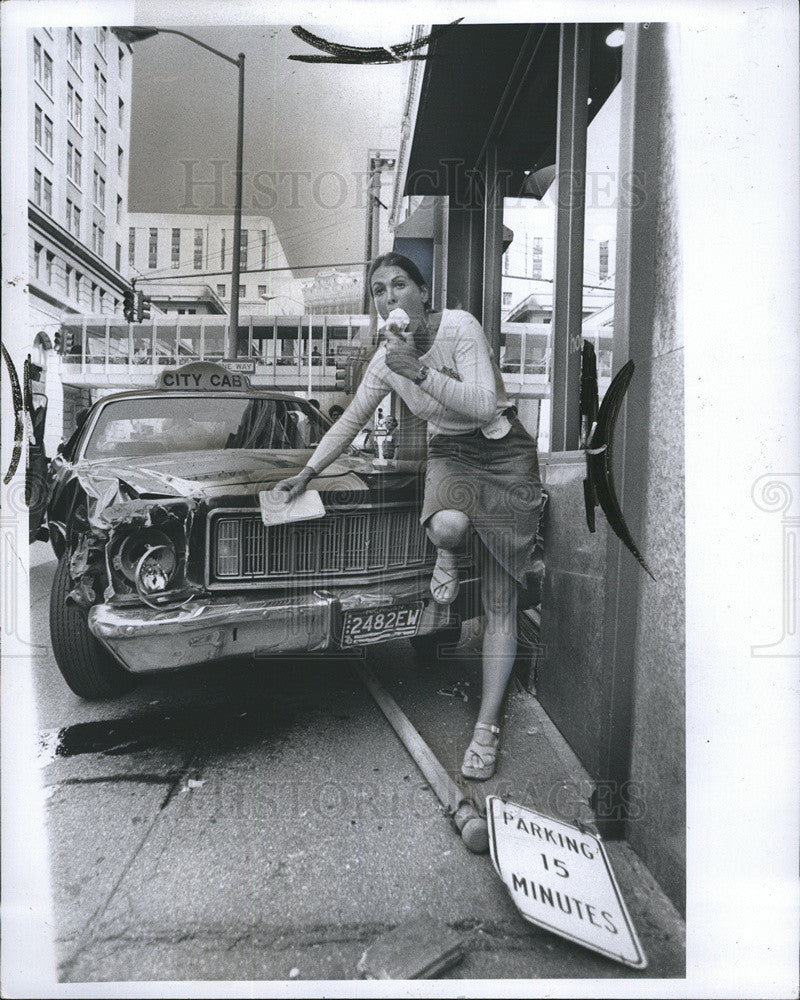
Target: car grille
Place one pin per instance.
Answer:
(351, 543)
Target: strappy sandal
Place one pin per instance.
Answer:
(480, 759)
(444, 582)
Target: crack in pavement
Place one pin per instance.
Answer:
(86, 936)
(146, 779)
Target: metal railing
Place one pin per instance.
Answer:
(287, 350)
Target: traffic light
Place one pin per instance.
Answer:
(141, 307)
(342, 374)
(128, 308)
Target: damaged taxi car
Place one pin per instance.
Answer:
(167, 561)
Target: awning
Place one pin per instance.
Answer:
(496, 82)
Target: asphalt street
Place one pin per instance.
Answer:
(261, 821)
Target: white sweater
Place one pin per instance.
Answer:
(462, 392)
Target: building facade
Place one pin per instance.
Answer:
(197, 249)
(79, 102)
(593, 105)
(334, 292)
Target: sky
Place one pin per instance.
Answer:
(307, 131)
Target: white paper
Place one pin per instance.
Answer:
(275, 509)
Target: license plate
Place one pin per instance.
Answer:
(379, 624)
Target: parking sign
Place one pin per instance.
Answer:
(560, 878)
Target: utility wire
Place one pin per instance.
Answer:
(551, 281)
(250, 270)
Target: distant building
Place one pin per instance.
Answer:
(79, 101)
(334, 292)
(185, 300)
(162, 244)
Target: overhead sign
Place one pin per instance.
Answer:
(202, 376)
(239, 365)
(560, 878)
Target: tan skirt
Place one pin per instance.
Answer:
(496, 483)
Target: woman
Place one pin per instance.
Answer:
(482, 472)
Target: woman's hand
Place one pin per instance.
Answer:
(295, 485)
(401, 356)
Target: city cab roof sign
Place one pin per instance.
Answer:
(202, 376)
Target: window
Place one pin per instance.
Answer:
(37, 125)
(102, 301)
(47, 196)
(507, 298)
(121, 59)
(73, 218)
(77, 119)
(221, 291)
(37, 187)
(94, 297)
(262, 291)
(121, 113)
(74, 48)
(100, 238)
(101, 36)
(152, 249)
(120, 156)
(99, 139)
(47, 82)
(73, 164)
(99, 189)
(42, 67)
(176, 248)
(222, 251)
(78, 280)
(68, 281)
(118, 256)
(119, 209)
(263, 248)
(131, 245)
(198, 249)
(48, 267)
(99, 86)
(242, 291)
(37, 260)
(243, 253)
(603, 272)
(536, 263)
(48, 137)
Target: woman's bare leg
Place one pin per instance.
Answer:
(447, 529)
(499, 599)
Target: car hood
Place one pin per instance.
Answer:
(209, 475)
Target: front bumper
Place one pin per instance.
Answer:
(207, 629)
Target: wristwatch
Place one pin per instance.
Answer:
(422, 374)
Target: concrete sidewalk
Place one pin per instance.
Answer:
(536, 769)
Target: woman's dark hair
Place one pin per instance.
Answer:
(393, 259)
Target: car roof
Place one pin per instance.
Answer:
(223, 393)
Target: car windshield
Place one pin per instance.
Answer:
(151, 425)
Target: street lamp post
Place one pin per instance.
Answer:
(130, 35)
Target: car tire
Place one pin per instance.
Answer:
(87, 667)
(436, 645)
